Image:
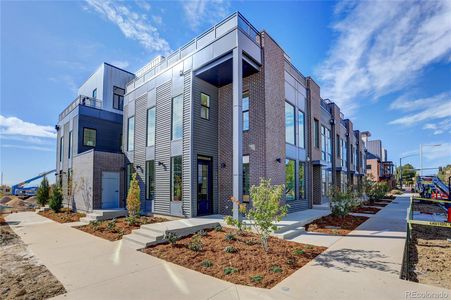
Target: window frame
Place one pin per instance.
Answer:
(94, 93)
(148, 144)
(293, 111)
(69, 146)
(61, 148)
(246, 161)
(287, 161)
(301, 187)
(131, 142)
(84, 135)
(173, 184)
(173, 123)
(207, 107)
(150, 193)
(120, 103)
(301, 133)
(316, 133)
(245, 112)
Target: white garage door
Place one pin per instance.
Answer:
(110, 189)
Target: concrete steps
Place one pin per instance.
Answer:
(293, 226)
(100, 215)
(289, 234)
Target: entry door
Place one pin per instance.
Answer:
(110, 189)
(204, 186)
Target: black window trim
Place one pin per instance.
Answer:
(95, 144)
(207, 107)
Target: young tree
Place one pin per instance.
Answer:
(133, 201)
(43, 193)
(56, 201)
(266, 209)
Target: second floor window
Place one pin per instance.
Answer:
(204, 106)
(131, 134)
(118, 98)
(94, 93)
(89, 137)
(69, 146)
(323, 143)
(245, 110)
(151, 126)
(177, 117)
(289, 124)
(301, 129)
(316, 133)
(61, 148)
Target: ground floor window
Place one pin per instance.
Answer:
(326, 181)
(150, 179)
(176, 175)
(301, 175)
(290, 180)
(246, 178)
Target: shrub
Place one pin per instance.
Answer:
(43, 193)
(266, 209)
(171, 237)
(131, 220)
(250, 242)
(206, 263)
(276, 269)
(299, 252)
(56, 201)
(218, 227)
(230, 249)
(376, 190)
(230, 270)
(133, 200)
(291, 261)
(202, 233)
(195, 244)
(342, 202)
(256, 278)
(95, 224)
(230, 237)
(111, 225)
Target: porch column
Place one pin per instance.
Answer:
(237, 129)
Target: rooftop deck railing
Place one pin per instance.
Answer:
(230, 23)
(81, 100)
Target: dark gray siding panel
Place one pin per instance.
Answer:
(187, 146)
(163, 149)
(205, 136)
(108, 134)
(140, 145)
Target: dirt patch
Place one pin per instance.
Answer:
(113, 230)
(430, 254)
(246, 264)
(5, 199)
(22, 276)
(366, 210)
(429, 208)
(336, 225)
(64, 216)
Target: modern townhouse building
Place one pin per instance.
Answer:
(223, 111)
(89, 159)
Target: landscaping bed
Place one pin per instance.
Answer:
(366, 210)
(237, 258)
(113, 230)
(64, 216)
(22, 276)
(430, 254)
(336, 225)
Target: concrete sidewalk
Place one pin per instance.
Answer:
(362, 265)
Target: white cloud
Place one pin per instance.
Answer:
(383, 47)
(29, 147)
(144, 5)
(443, 126)
(16, 126)
(132, 24)
(67, 80)
(198, 12)
(438, 152)
(123, 64)
(436, 110)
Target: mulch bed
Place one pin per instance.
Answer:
(250, 265)
(366, 210)
(115, 229)
(64, 216)
(430, 254)
(328, 223)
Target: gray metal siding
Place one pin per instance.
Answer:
(163, 149)
(205, 136)
(188, 197)
(140, 145)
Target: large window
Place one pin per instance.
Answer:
(89, 137)
(150, 179)
(69, 146)
(94, 93)
(177, 117)
(118, 98)
(131, 134)
(316, 133)
(246, 178)
(289, 124)
(323, 143)
(345, 153)
(176, 170)
(329, 146)
(290, 179)
(151, 126)
(204, 106)
(326, 181)
(245, 110)
(301, 175)
(338, 147)
(301, 129)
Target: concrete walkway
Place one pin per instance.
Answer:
(362, 265)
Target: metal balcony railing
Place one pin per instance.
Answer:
(81, 100)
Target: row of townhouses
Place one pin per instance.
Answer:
(203, 124)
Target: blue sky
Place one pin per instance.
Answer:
(386, 65)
